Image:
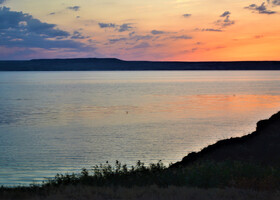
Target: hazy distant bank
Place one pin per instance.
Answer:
(107, 64)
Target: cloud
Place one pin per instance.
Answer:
(225, 14)
(194, 49)
(2, 1)
(276, 2)
(132, 38)
(226, 21)
(157, 32)
(181, 37)
(74, 8)
(38, 42)
(211, 30)
(91, 40)
(220, 24)
(142, 45)
(262, 9)
(119, 28)
(107, 25)
(273, 2)
(135, 37)
(112, 41)
(25, 23)
(15, 53)
(132, 33)
(141, 37)
(18, 29)
(258, 36)
(187, 15)
(125, 27)
(78, 35)
(52, 13)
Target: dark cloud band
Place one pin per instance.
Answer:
(18, 29)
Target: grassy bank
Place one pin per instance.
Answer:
(207, 174)
(221, 180)
(142, 193)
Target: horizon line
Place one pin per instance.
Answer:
(181, 61)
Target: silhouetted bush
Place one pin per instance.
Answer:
(207, 174)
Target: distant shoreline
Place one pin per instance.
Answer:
(113, 64)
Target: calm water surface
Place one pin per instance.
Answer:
(57, 122)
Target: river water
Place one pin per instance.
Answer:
(58, 122)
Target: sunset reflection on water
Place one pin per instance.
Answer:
(55, 122)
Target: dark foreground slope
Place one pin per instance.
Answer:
(141, 193)
(260, 147)
(95, 64)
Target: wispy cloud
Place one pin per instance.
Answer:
(275, 2)
(107, 25)
(78, 35)
(181, 37)
(142, 45)
(262, 9)
(120, 28)
(226, 21)
(225, 14)
(112, 41)
(187, 15)
(133, 37)
(74, 8)
(258, 36)
(157, 32)
(220, 24)
(125, 27)
(141, 37)
(211, 30)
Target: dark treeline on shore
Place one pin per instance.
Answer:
(106, 64)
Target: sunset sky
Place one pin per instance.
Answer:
(183, 30)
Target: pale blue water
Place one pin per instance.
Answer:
(57, 122)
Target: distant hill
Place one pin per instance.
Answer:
(106, 64)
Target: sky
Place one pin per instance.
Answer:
(159, 30)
